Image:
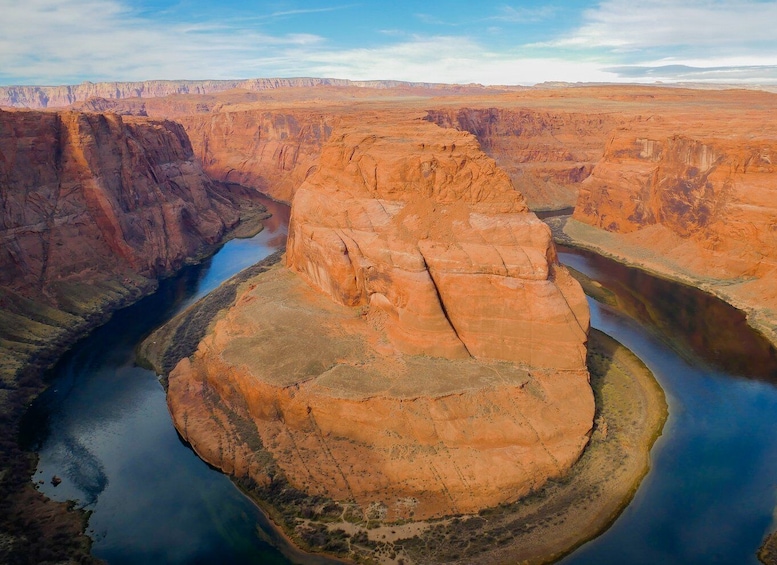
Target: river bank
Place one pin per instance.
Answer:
(33, 528)
(631, 410)
(616, 247)
(739, 293)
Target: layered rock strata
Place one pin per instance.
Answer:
(701, 205)
(271, 151)
(546, 153)
(36, 97)
(416, 223)
(431, 358)
(93, 208)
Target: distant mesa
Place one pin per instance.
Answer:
(37, 97)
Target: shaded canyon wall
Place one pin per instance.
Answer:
(93, 208)
(547, 154)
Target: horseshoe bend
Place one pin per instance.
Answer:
(423, 351)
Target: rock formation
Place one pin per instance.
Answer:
(94, 208)
(546, 153)
(695, 186)
(700, 204)
(427, 230)
(271, 151)
(436, 363)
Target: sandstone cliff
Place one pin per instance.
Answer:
(436, 364)
(546, 153)
(272, 151)
(700, 204)
(417, 223)
(92, 209)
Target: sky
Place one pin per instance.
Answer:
(48, 42)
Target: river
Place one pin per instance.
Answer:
(104, 429)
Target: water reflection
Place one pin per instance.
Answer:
(710, 494)
(696, 324)
(104, 429)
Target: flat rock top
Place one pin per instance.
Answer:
(286, 334)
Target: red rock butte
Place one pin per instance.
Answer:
(430, 359)
(419, 225)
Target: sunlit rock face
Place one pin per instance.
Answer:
(707, 197)
(416, 223)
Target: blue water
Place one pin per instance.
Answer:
(103, 427)
(711, 493)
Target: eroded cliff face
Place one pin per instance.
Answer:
(546, 153)
(431, 358)
(715, 193)
(417, 223)
(271, 151)
(701, 205)
(93, 208)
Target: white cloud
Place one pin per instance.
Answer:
(56, 41)
(450, 59)
(311, 10)
(522, 14)
(714, 24)
(59, 40)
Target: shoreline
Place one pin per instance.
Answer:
(33, 525)
(542, 527)
(757, 318)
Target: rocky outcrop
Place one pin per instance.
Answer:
(417, 223)
(714, 193)
(86, 191)
(546, 153)
(93, 209)
(433, 364)
(36, 97)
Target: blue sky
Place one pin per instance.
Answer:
(69, 41)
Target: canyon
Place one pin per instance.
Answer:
(94, 209)
(412, 251)
(698, 204)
